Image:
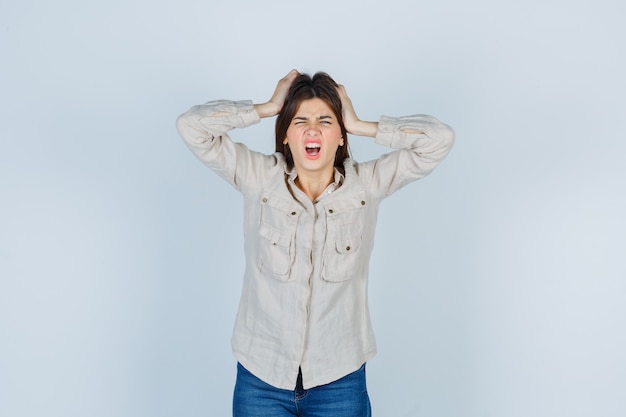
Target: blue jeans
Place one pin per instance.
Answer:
(346, 397)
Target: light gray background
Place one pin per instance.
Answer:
(498, 284)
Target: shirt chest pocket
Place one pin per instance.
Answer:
(277, 229)
(345, 221)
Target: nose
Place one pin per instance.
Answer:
(312, 130)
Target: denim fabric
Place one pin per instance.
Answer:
(346, 397)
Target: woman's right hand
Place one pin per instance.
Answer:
(275, 104)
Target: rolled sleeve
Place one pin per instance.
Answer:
(406, 131)
(214, 118)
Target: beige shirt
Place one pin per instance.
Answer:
(304, 299)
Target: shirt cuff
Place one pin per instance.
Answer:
(386, 130)
(247, 114)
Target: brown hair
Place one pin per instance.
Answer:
(305, 87)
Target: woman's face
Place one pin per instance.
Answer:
(314, 135)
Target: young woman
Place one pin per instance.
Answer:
(303, 333)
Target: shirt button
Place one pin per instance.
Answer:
(347, 247)
(293, 213)
(331, 211)
(265, 200)
(362, 202)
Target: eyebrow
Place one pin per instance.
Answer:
(306, 118)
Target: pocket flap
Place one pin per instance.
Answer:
(348, 244)
(274, 235)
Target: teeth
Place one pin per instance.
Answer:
(312, 145)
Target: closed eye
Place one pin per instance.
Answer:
(299, 120)
(327, 120)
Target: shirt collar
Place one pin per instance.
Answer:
(338, 181)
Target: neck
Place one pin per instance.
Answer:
(314, 184)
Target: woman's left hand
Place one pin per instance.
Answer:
(351, 121)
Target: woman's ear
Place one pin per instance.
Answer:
(285, 141)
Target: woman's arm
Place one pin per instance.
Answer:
(422, 142)
(204, 129)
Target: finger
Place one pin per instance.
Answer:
(343, 94)
(291, 75)
(286, 81)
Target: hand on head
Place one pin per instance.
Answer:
(275, 103)
(350, 119)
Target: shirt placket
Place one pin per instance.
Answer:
(314, 222)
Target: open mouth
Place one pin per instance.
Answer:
(312, 149)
